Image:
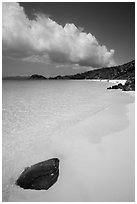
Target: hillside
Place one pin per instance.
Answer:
(117, 72)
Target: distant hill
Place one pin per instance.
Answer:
(36, 76)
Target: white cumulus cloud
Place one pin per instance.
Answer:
(44, 40)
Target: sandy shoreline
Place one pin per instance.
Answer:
(97, 162)
(96, 152)
(114, 81)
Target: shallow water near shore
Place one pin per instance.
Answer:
(83, 124)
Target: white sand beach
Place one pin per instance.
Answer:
(114, 81)
(65, 136)
(96, 152)
(117, 81)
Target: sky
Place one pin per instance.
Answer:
(59, 38)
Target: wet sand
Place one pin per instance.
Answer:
(96, 157)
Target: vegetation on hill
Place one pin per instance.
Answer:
(117, 72)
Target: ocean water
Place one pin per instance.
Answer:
(78, 122)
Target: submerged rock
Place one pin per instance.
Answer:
(40, 176)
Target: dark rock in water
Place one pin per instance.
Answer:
(40, 176)
(119, 86)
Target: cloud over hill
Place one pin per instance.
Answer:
(44, 40)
